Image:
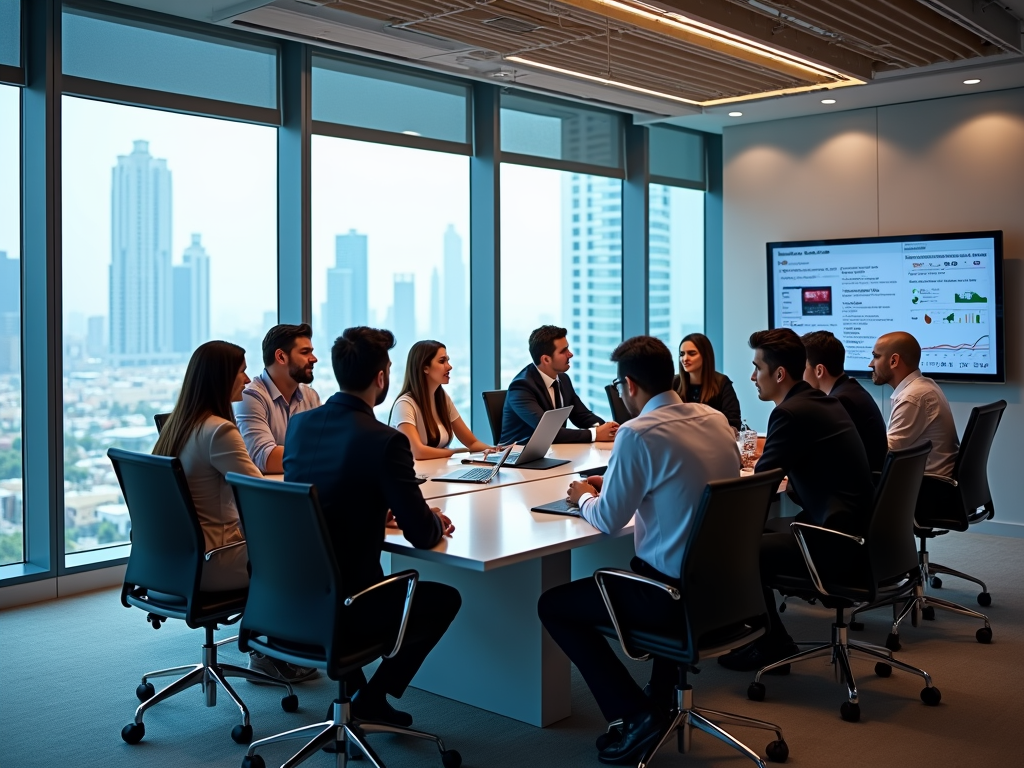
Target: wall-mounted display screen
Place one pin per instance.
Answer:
(947, 290)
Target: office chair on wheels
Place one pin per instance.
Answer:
(720, 603)
(297, 613)
(494, 404)
(620, 413)
(163, 576)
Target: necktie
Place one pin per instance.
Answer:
(558, 393)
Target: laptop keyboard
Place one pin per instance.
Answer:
(477, 474)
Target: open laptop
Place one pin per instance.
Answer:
(477, 474)
(531, 455)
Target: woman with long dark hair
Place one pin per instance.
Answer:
(699, 382)
(424, 412)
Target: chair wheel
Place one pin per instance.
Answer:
(936, 582)
(892, 642)
(756, 691)
(290, 703)
(253, 761)
(984, 599)
(133, 733)
(850, 712)
(928, 613)
(856, 626)
(241, 734)
(145, 691)
(777, 751)
(984, 635)
(931, 696)
(882, 669)
(450, 758)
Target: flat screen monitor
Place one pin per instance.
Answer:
(947, 290)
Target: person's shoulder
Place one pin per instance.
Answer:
(309, 394)
(724, 380)
(522, 377)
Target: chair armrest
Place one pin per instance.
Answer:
(413, 578)
(221, 549)
(599, 577)
(798, 531)
(940, 478)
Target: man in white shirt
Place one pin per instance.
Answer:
(920, 410)
(660, 464)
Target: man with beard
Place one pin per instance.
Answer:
(362, 469)
(277, 394)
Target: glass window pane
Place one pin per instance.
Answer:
(676, 272)
(10, 36)
(387, 100)
(136, 53)
(561, 263)
(391, 250)
(560, 131)
(170, 240)
(12, 538)
(677, 154)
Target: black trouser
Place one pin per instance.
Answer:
(571, 614)
(375, 617)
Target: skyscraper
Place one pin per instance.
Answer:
(192, 298)
(434, 331)
(347, 287)
(96, 336)
(141, 288)
(404, 317)
(659, 274)
(456, 313)
(10, 314)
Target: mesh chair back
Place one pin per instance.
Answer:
(721, 580)
(619, 412)
(891, 547)
(294, 584)
(167, 541)
(160, 419)
(494, 404)
(971, 469)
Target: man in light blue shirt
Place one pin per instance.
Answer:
(275, 395)
(660, 464)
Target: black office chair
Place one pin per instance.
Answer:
(494, 404)
(160, 419)
(859, 570)
(296, 613)
(721, 605)
(619, 412)
(164, 571)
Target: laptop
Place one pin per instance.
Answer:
(479, 475)
(531, 455)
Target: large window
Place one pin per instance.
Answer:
(391, 250)
(676, 273)
(12, 538)
(169, 240)
(561, 263)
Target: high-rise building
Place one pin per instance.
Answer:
(404, 317)
(10, 314)
(347, 286)
(659, 275)
(456, 314)
(141, 288)
(434, 331)
(192, 298)
(96, 336)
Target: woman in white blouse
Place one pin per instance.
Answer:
(424, 412)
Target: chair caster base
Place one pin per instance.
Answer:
(133, 733)
(756, 691)
(931, 696)
(882, 669)
(850, 711)
(450, 758)
(984, 599)
(984, 635)
(241, 734)
(777, 751)
(892, 642)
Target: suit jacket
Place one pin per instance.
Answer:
(812, 438)
(725, 401)
(528, 399)
(361, 468)
(866, 418)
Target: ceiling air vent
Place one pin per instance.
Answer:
(508, 24)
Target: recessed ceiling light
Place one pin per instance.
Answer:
(411, 133)
(828, 101)
(972, 81)
(735, 114)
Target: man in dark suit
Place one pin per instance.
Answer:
(826, 363)
(362, 469)
(543, 386)
(812, 438)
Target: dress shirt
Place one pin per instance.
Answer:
(263, 415)
(921, 412)
(548, 382)
(660, 464)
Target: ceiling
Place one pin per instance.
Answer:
(686, 62)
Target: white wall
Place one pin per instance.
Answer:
(949, 165)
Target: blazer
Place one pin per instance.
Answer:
(361, 468)
(528, 399)
(725, 401)
(866, 418)
(813, 440)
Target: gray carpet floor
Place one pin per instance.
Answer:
(68, 671)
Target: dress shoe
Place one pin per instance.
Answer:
(759, 654)
(372, 710)
(639, 732)
(612, 736)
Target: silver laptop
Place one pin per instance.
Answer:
(538, 444)
(478, 474)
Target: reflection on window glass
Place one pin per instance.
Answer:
(676, 277)
(170, 240)
(12, 537)
(561, 263)
(10, 39)
(391, 250)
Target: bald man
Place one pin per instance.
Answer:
(920, 410)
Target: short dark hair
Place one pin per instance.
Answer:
(359, 354)
(781, 348)
(542, 341)
(823, 348)
(283, 337)
(647, 361)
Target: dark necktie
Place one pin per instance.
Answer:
(558, 393)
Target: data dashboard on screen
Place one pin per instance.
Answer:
(947, 290)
